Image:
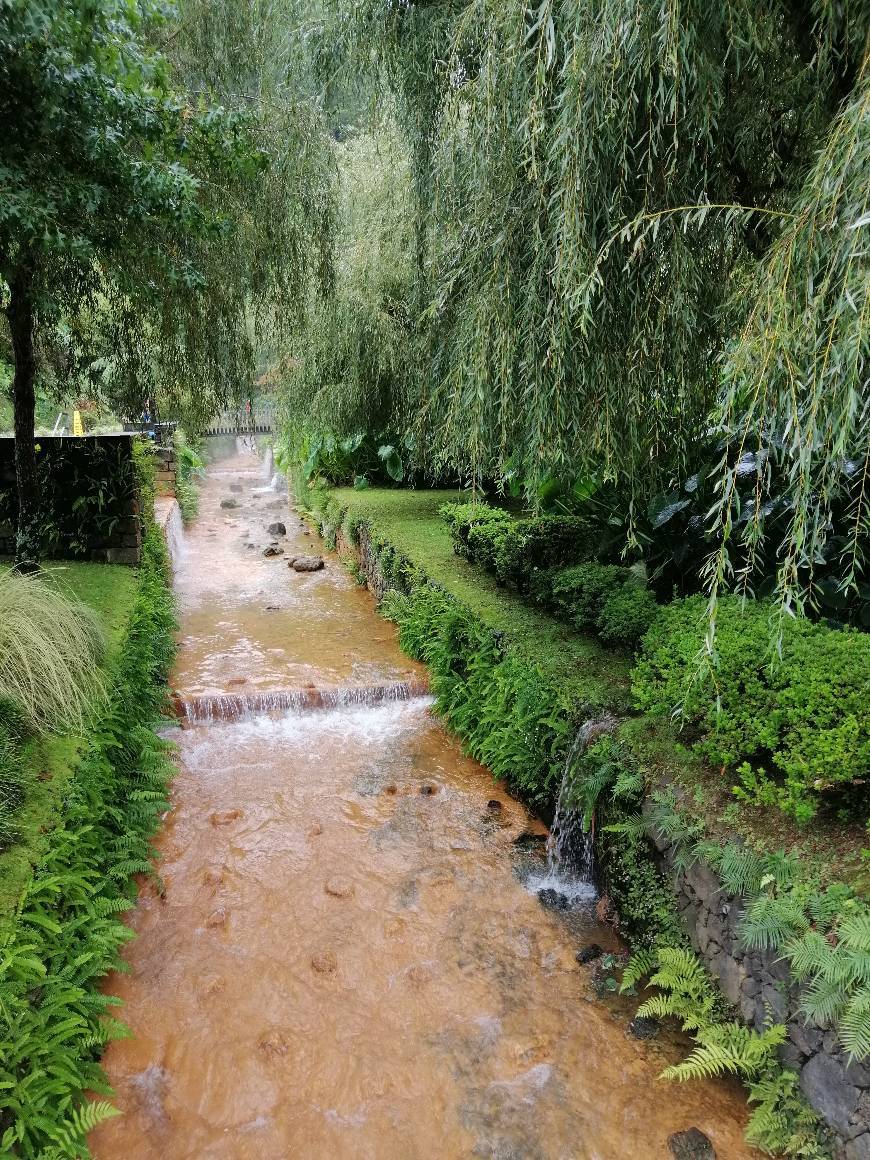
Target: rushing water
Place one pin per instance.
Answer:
(344, 961)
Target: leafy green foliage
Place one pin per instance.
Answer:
(837, 972)
(627, 614)
(361, 459)
(65, 933)
(791, 727)
(189, 468)
(782, 1123)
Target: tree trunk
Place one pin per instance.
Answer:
(20, 315)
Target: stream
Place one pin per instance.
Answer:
(348, 958)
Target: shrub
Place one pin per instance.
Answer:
(461, 518)
(485, 544)
(578, 593)
(538, 545)
(792, 727)
(627, 614)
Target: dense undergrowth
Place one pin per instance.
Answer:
(515, 711)
(65, 933)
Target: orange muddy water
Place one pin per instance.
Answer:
(346, 962)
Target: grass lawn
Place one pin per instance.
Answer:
(409, 520)
(110, 590)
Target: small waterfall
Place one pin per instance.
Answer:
(278, 483)
(173, 531)
(570, 873)
(203, 709)
(268, 464)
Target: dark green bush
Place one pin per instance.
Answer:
(791, 728)
(578, 594)
(626, 614)
(537, 545)
(485, 543)
(461, 518)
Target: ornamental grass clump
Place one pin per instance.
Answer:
(51, 649)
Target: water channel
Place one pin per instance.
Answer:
(345, 961)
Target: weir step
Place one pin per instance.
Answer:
(199, 709)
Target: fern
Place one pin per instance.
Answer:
(770, 920)
(728, 1047)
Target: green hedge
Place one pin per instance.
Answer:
(66, 933)
(790, 728)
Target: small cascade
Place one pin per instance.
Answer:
(173, 531)
(268, 467)
(570, 873)
(278, 483)
(206, 708)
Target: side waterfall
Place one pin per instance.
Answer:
(570, 872)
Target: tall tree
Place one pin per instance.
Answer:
(123, 205)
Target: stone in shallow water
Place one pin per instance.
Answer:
(324, 963)
(306, 563)
(643, 1027)
(589, 954)
(229, 502)
(236, 487)
(225, 817)
(553, 899)
(273, 550)
(276, 529)
(691, 1145)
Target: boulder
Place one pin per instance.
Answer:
(236, 487)
(276, 529)
(229, 502)
(691, 1145)
(273, 550)
(825, 1085)
(306, 563)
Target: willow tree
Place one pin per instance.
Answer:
(600, 190)
(132, 207)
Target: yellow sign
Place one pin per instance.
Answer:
(78, 429)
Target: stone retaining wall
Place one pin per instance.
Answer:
(759, 985)
(165, 469)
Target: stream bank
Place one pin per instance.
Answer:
(344, 959)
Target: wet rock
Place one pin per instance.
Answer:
(276, 529)
(691, 1145)
(589, 954)
(339, 888)
(234, 682)
(428, 790)
(229, 502)
(225, 817)
(552, 899)
(217, 918)
(306, 563)
(324, 963)
(643, 1027)
(273, 550)
(236, 487)
(606, 913)
(392, 788)
(825, 1085)
(494, 806)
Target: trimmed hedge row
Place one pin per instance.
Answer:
(552, 560)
